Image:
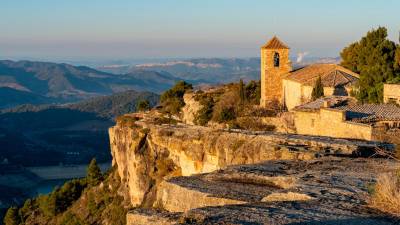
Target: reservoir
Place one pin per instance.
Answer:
(53, 176)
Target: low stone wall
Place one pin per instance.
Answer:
(391, 93)
(331, 123)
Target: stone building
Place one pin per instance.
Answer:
(391, 93)
(298, 85)
(339, 117)
(279, 83)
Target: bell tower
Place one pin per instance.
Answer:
(275, 64)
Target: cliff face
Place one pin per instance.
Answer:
(147, 153)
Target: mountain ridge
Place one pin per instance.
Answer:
(47, 82)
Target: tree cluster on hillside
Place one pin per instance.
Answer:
(172, 99)
(236, 104)
(77, 202)
(377, 60)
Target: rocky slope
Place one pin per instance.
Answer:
(186, 170)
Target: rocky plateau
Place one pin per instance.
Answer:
(176, 173)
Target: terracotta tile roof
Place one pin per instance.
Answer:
(362, 113)
(334, 101)
(275, 43)
(371, 112)
(332, 75)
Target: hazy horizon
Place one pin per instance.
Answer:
(121, 30)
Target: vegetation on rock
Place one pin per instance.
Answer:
(205, 113)
(253, 92)
(94, 176)
(143, 105)
(77, 202)
(12, 217)
(235, 105)
(127, 121)
(172, 99)
(376, 59)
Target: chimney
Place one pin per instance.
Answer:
(327, 104)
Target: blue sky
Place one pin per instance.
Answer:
(120, 29)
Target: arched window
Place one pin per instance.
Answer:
(276, 59)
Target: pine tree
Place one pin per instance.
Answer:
(94, 176)
(318, 89)
(374, 58)
(12, 217)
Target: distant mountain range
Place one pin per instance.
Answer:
(26, 82)
(211, 70)
(199, 71)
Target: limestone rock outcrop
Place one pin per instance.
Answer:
(190, 109)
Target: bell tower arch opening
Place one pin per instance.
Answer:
(276, 59)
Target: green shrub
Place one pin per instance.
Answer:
(28, 206)
(176, 91)
(143, 105)
(226, 114)
(71, 219)
(205, 113)
(253, 92)
(226, 107)
(172, 99)
(61, 198)
(127, 121)
(173, 105)
(12, 217)
(164, 120)
(253, 123)
(94, 176)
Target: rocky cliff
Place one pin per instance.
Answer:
(159, 160)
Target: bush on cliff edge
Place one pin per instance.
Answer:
(172, 99)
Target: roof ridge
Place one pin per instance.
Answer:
(343, 69)
(334, 78)
(344, 76)
(276, 43)
(331, 74)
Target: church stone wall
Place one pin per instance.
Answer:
(292, 93)
(296, 94)
(331, 123)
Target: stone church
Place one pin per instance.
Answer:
(290, 88)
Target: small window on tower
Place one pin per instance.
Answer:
(276, 59)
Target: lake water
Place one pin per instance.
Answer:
(47, 186)
(57, 175)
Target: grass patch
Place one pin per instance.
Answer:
(385, 194)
